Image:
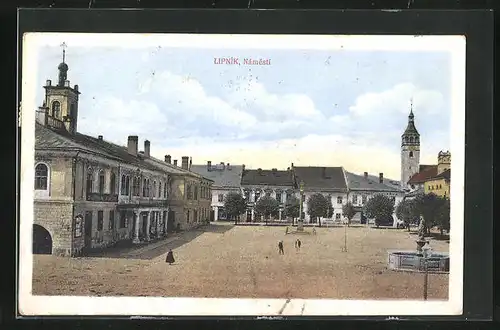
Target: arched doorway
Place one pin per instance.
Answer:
(42, 241)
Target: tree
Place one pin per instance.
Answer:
(404, 212)
(318, 206)
(234, 205)
(348, 211)
(267, 206)
(427, 206)
(292, 208)
(443, 216)
(379, 207)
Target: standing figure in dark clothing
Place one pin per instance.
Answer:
(170, 257)
(280, 247)
(297, 244)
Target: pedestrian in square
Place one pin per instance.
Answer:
(280, 248)
(286, 230)
(298, 243)
(170, 257)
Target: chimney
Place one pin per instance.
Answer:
(190, 162)
(185, 162)
(147, 147)
(48, 82)
(243, 168)
(292, 166)
(366, 175)
(228, 166)
(259, 170)
(99, 137)
(132, 144)
(168, 159)
(209, 165)
(175, 162)
(381, 177)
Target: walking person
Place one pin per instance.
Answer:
(170, 257)
(298, 243)
(280, 248)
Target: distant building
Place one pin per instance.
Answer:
(90, 193)
(363, 187)
(258, 183)
(433, 178)
(328, 181)
(226, 178)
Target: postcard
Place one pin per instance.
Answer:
(268, 175)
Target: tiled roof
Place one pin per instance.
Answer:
(360, 182)
(320, 177)
(428, 171)
(396, 184)
(267, 178)
(444, 175)
(229, 176)
(47, 138)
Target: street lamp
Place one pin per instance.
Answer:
(426, 253)
(344, 249)
(300, 225)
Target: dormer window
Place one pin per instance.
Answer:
(56, 109)
(411, 154)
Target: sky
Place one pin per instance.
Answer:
(308, 107)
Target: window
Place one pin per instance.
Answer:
(123, 219)
(354, 199)
(41, 177)
(112, 183)
(165, 190)
(125, 188)
(268, 194)
(195, 193)
(339, 200)
(221, 198)
(144, 187)
(56, 109)
(257, 195)
(111, 219)
(393, 199)
(154, 188)
(78, 226)
(136, 186)
(187, 216)
(337, 216)
(189, 192)
(303, 198)
(195, 215)
(100, 220)
(363, 199)
(90, 181)
(101, 182)
(411, 154)
(159, 189)
(440, 187)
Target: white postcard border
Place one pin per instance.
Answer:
(73, 305)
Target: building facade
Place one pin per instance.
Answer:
(328, 181)
(440, 183)
(226, 178)
(257, 183)
(90, 193)
(361, 188)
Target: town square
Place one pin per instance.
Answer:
(224, 181)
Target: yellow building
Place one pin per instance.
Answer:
(439, 184)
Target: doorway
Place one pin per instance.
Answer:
(42, 241)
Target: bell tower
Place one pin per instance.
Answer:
(61, 100)
(410, 150)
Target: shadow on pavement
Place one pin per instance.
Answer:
(154, 249)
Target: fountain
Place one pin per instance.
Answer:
(415, 261)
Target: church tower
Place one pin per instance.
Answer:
(60, 107)
(410, 150)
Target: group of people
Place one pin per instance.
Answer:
(281, 249)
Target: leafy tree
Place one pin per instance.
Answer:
(405, 212)
(267, 206)
(234, 205)
(379, 207)
(427, 206)
(443, 216)
(348, 211)
(318, 206)
(292, 208)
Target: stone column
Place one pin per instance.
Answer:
(165, 222)
(216, 213)
(253, 215)
(280, 215)
(136, 240)
(148, 226)
(158, 217)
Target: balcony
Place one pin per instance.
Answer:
(54, 122)
(98, 197)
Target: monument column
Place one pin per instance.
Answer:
(148, 226)
(136, 240)
(300, 223)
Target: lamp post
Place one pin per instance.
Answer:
(344, 249)
(300, 223)
(426, 271)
